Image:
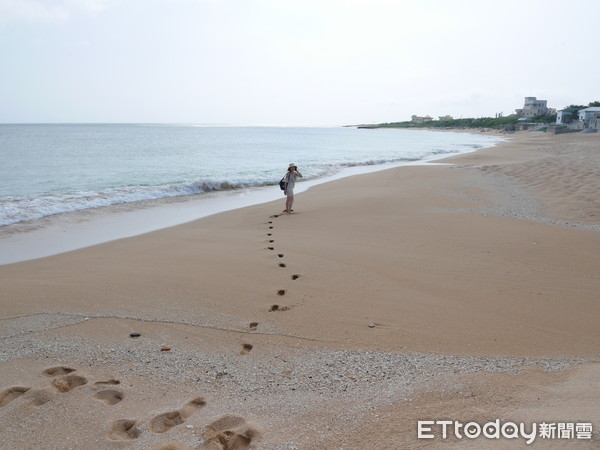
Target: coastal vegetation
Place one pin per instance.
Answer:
(508, 122)
(574, 109)
(481, 122)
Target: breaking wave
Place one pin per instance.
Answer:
(26, 209)
(68, 168)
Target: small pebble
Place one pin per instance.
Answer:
(135, 335)
(371, 325)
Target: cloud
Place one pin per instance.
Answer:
(48, 11)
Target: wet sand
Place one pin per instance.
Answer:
(467, 291)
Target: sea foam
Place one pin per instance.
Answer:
(55, 169)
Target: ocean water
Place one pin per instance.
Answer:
(54, 169)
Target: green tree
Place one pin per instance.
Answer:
(574, 110)
(544, 118)
(596, 103)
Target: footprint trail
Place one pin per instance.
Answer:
(164, 422)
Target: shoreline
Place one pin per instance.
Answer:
(414, 293)
(64, 232)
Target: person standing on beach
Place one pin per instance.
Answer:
(290, 183)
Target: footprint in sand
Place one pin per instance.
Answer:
(281, 292)
(57, 371)
(280, 255)
(274, 308)
(109, 396)
(230, 433)
(11, 394)
(68, 382)
(111, 382)
(281, 264)
(269, 234)
(124, 430)
(295, 276)
(246, 349)
(253, 325)
(164, 422)
(271, 248)
(39, 397)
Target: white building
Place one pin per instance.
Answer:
(587, 115)
(564, 117)
(420, 119)
(533, 107)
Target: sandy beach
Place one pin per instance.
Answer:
(466, 291)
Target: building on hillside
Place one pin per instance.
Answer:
(419, 119)
(446, 118)
(533, 107)
(588, 116)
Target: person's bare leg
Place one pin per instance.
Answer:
(288, 204)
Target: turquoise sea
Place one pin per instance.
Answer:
(53, 169)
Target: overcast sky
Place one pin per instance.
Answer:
(291, 62)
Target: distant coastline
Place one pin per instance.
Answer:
(495, 124)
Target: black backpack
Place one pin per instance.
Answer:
(282, 184)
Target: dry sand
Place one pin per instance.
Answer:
(467, 291)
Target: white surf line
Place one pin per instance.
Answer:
(66, 232)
